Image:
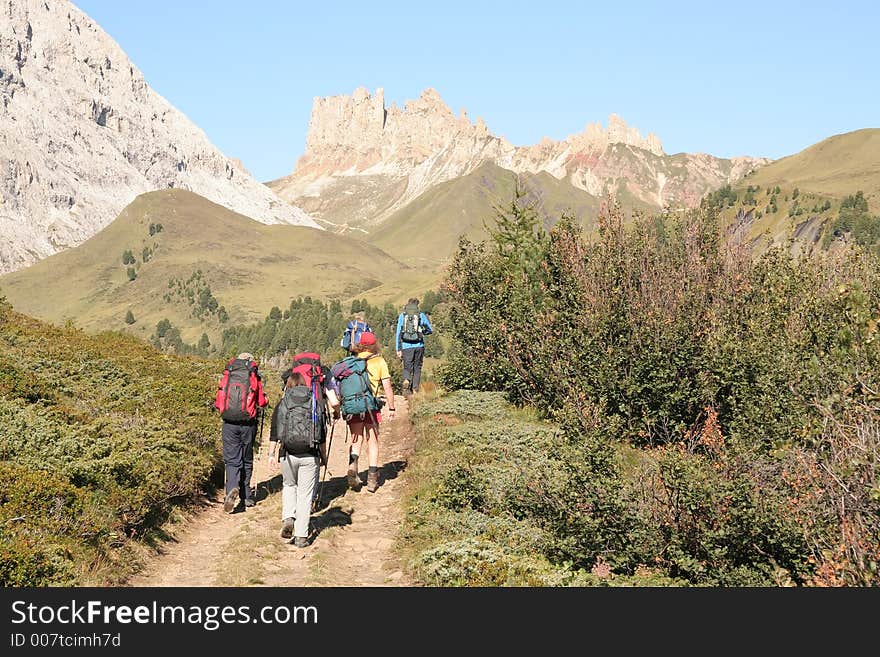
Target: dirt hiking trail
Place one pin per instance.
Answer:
(352, 536)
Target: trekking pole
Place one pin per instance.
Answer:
(262, 419)
(326, 464)
(259, 441)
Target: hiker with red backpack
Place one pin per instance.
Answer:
(297, 438)
(360, 379)
(240, 398)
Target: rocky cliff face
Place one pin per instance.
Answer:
(363, 161)
(82, 134)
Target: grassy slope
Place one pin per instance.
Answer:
(249, 266)
(425, 233)
(832, 169)
(835, 167)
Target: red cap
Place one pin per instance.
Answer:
(367, 338)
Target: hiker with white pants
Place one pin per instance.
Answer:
(298, 442)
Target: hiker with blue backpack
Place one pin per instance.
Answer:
(412, 327)
(362, 379)
(355, 328)
(298, 440)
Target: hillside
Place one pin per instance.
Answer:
(101, 438)
(835, 167)
(800, 195)
(425, 232)
(194, 261)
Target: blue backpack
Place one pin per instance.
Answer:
(355, 391)
(353, 331)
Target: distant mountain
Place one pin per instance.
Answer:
(82, 134)
(799, 197)
(426, 231)
(175, 255)
(364, 162)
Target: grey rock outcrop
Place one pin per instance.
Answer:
(363, 161)
(82, 134)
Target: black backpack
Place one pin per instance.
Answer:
(412, 324)
(236, 397)
(300, 420)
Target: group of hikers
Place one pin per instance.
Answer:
(314, 396)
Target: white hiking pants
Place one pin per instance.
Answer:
(300, 474)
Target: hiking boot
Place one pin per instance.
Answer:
(301, 541)
(231, 501)
(287, 528)
(249, 502)
(354, 481)
(407, 388)
(372, 481)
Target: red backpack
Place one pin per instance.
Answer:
(237, 391)
(309, 365)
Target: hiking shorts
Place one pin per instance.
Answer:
(357, 420)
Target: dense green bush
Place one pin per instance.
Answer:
(100, 438)
(723, 372)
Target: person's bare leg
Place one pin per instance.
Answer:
(372, 438)
(357, 437)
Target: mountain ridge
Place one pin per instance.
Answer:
(364, 161)
(82, 134)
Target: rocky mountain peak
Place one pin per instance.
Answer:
(359, 149)
(82, 134)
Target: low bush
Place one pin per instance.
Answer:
(100, 438)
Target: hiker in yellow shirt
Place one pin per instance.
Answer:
(367, 427)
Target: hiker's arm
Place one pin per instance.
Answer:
(323, 448)
(273, 437)
(331, 392)
(217, 396)
(397, 336)
(389, 395)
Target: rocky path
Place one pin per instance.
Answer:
(353, 533)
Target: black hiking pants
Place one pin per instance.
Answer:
(238, 455)
(412, 365)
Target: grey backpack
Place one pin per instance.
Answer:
(300, 420)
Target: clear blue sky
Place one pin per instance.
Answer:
(733, 78)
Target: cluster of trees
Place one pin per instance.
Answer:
(195, 292)
(719, 411)
(167, 337)
(129, 260)
(721, 198)
(309, 324)
(856, 221)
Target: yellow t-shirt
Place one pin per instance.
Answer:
(377, 368)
